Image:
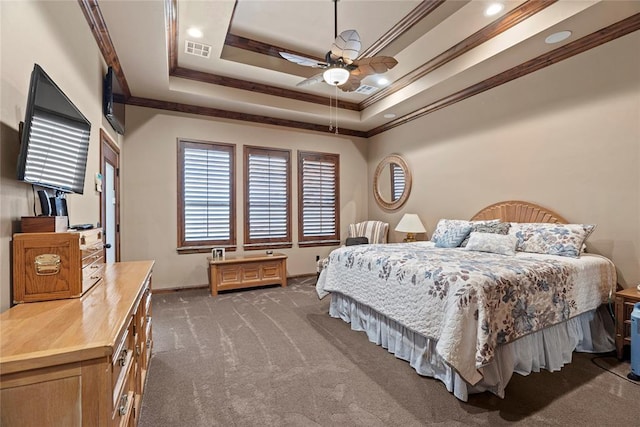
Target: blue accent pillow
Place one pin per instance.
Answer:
(450, 233)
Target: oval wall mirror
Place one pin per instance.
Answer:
(392, 182)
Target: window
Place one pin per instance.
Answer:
(267, 198)
(397, 182)
(206, 196)
(318, 198)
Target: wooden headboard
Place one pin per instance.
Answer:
(518, 211)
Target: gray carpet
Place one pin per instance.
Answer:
(274, 357)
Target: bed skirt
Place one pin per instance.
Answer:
(549, 349)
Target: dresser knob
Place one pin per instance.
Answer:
(122, 410)
(123, 357)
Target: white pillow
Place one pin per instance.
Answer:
(504, 244)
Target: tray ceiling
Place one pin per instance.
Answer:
(446, 51)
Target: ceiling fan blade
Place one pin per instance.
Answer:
(374, 65)
(352, 84)
(346, 46)
(318, 78)
(301, 60)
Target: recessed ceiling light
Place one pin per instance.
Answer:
(389, 116)
(383, 81)
(493, 9)
(195, 32)
(557, 37)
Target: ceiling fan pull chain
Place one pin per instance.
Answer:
(330, 115)
(336, 105)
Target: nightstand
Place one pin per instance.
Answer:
(625, 300)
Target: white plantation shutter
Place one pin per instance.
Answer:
(397, 182)
(318, 196)
(267, 196)
(207, 194)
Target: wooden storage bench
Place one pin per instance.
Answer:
(247, 272)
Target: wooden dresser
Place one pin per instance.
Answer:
(80, 361)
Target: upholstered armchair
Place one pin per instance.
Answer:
(372, 231)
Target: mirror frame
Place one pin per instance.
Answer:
(396, 204)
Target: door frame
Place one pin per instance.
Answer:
(110, 153)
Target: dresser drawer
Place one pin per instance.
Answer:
(270, 270)
(92, 273)
(121, 362)
(123, 415)
(91, 254)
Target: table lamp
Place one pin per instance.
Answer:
(410, 224)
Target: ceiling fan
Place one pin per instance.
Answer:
(341, 66)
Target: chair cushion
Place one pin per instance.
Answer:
(351, 241)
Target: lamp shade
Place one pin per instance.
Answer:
(336, 76)
(410, 223)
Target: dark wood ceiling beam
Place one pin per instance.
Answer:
(98, 27)
(262, 48)
(232, 115)
(509, 20)
(583, 44)
(416, 15)
(187, 73)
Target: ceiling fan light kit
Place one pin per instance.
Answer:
(336, 76)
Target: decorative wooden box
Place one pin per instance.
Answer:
(49, 266)
(43, 224)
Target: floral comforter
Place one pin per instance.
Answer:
(470, 302)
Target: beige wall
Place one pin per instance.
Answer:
(566, 137)
(56, 36)
(149, 200)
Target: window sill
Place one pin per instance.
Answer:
(261, 246)
(202, 249)
(319, 243)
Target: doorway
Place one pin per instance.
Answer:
(110, 196)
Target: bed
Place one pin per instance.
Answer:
(472, 317)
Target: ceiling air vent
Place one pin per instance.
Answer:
(197, 49)
(366, 89)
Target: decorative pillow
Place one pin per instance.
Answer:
(553, 239)
(488, 227)
(504, 244)
(450, 232)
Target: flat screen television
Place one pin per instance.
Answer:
(113, 104)
(55, 138)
